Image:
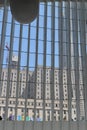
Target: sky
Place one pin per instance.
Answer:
(25, 36)
(32, 38)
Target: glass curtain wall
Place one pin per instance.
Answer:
(43, 75)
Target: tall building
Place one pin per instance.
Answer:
(14, 61)
(46, 77)
(35, 88)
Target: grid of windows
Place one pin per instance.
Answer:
(44, 63)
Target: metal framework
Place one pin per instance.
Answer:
(43, 67)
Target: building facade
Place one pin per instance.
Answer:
(35, 88)
(43, 74)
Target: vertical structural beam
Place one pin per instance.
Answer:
(60, 62)
(52, 60)
(9, 70)
(9, 67)
(44, 63)
(36, 68)
(18, 71)
(27, 75)
(68, 35)
(83, 53)
(77, 65)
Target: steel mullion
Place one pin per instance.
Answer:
(44, 63)
(83, 54)
(9, 74)
(52, 60)
(85, 67)
(36, 66)
(61, 63)
(68, 63)
(9, 68)
(18, 70)
(77, 68)
(27, 72)
(72, 57)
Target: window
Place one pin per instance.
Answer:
(2, 102)
(11, 109)
(74, 112)
(64, 111)
(10, 102)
